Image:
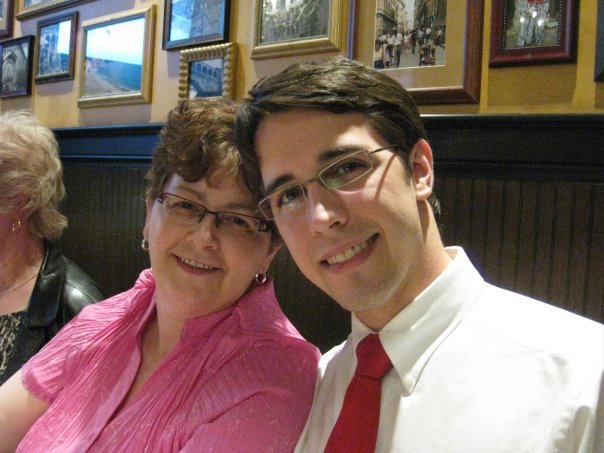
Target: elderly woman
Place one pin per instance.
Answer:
(40, 289)
(197, 356)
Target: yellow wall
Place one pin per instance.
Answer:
(523, 89)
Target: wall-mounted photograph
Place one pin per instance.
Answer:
(532, 32)
(16, 68)
(6, 18)
(291, 27)
(207, 72)
(55, 48)
(409, 34)
(31, 8)
(112, 72)
(194, 22)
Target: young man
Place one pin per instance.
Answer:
(445, 361)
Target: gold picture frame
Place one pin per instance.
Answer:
(207, 72)
(296, 32)
(27, 9)
(111, 73)
(458, 79)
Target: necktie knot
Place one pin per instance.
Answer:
(372, 360)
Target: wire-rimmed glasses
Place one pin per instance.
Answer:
(346, 170)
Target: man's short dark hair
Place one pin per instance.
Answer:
(336, 85)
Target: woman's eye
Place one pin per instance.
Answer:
(237, 221)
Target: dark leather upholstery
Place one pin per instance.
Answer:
(62, 289)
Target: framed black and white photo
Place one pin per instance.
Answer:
(55, 48)
(194, 22)
(16, 68)
(113, 73)
(293, 27)
(207, 72)
(6, 18)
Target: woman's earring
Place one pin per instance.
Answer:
(260, 278)
(17, 226)
(145, 244)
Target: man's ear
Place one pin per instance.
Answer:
(422, 169)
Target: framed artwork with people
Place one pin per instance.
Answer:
(294, 27)
(525, 32)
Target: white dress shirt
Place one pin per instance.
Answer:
(476, 369)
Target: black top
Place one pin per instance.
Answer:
(62, 289)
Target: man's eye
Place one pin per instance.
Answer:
(289, 196)
(348, 166)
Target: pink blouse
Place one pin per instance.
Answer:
(240, 380)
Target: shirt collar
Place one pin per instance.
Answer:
(414, 334)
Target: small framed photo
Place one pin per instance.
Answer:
(190, 22)
(297, 27)
(16, 69)
(207, 72)
(31, 8)
(6, 18)
(55, 48)
(117, 59)
(525, 32)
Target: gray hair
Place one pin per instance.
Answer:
(31, 173)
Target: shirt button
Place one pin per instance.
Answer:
(408, 382)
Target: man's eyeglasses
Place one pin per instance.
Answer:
(186, 212)
(346, 170)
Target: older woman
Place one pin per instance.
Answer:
(197, 356)
(40, 289)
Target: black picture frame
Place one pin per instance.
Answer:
(599, 68)
(16, 68)
(7, 14)
(52, 63)
(555, 43)
(180, 15)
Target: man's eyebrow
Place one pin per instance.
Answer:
(324, 158)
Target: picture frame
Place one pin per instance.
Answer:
(55, 48)
(27, 9)
(6, 19)
(455, 81)
(599, 66)
(184, 26)
(526, 33)
(310, 27)
(111, 73)
(207, 72)
(16, 68)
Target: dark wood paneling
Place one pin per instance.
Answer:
(522, 194)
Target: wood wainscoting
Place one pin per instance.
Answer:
(523, 194)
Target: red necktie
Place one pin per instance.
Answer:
(357, 425)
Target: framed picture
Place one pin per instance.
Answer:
(55, 48)
(293, 27)
(599, 68)
(433, 50)
(31, 8)
(207, 72)
(6, 18)
(113, 73)
(527, 32)
(17, 61)
(190, 22)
